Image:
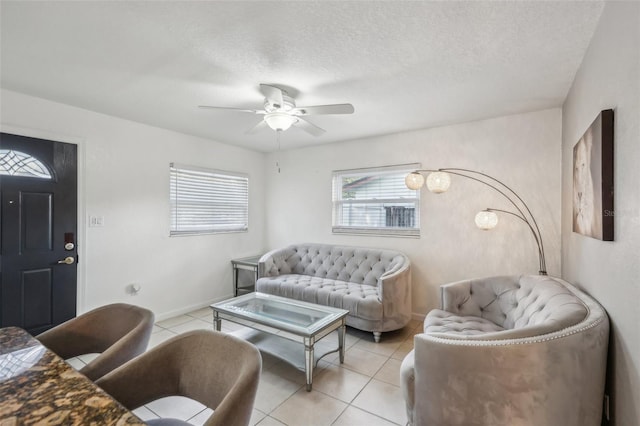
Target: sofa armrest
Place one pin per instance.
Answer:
(266, 265)
(274, 263)
(394, 288)
(556, 378)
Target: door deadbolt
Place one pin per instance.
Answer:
(69, 260)
(69, 246)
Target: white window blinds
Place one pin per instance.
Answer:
(376, 201)
(207, 201)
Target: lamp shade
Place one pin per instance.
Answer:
(438, 182)
(279, 120)
(414, 180)
(486, 220)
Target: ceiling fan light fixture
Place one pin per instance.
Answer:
(279, 120)
(280, 111)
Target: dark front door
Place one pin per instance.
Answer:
(38, 186)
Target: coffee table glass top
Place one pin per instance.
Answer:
(286, 314)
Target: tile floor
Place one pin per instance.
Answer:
(365, 390)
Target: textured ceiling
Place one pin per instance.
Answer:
(403, 65)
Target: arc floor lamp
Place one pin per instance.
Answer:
(439, 180)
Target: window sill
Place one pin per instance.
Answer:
(379, 232)
(194, 233)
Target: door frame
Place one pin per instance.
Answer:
(82, 211)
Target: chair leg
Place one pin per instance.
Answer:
(376, 336)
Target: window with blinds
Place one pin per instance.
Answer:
(376, 201)
(205, 201)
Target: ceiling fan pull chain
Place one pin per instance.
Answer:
(278, 153)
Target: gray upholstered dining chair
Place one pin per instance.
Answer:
(216, 369)
(118, 332)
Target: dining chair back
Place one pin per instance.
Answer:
(117, 332)
(216, 369)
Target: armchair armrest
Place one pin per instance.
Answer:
(454, 295)
(470, 297)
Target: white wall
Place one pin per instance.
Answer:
(522, 150)
(609, 77)
(126, 179)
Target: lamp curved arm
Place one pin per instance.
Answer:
(453, 170)
(504, 190)
(542, 261)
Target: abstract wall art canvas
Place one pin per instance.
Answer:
(593, 211)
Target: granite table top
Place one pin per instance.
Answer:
(39, 388)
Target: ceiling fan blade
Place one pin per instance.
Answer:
(309, 127)
(255, 129)
(273, 94)
(255, 111)
(324, 109)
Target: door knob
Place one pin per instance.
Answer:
(69, 260)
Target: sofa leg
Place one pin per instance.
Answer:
(376, 336)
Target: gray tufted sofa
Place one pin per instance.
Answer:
(508, 350)
(373, 284)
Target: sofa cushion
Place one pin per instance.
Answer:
(360, 300)
(438, 321)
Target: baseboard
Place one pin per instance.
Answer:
(418, 317)
(186, 309)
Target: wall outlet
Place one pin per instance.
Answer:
(133, 289)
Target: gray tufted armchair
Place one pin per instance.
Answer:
(509, 350)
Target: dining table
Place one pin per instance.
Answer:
(37, 387)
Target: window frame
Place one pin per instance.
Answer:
(174, 169)
(393, 231)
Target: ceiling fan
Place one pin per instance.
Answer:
(280, 111)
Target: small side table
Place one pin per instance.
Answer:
(245, 274)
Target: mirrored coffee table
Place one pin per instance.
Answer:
(278, 321)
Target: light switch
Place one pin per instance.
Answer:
(96, 221)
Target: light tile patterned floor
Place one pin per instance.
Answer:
(365, 390)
